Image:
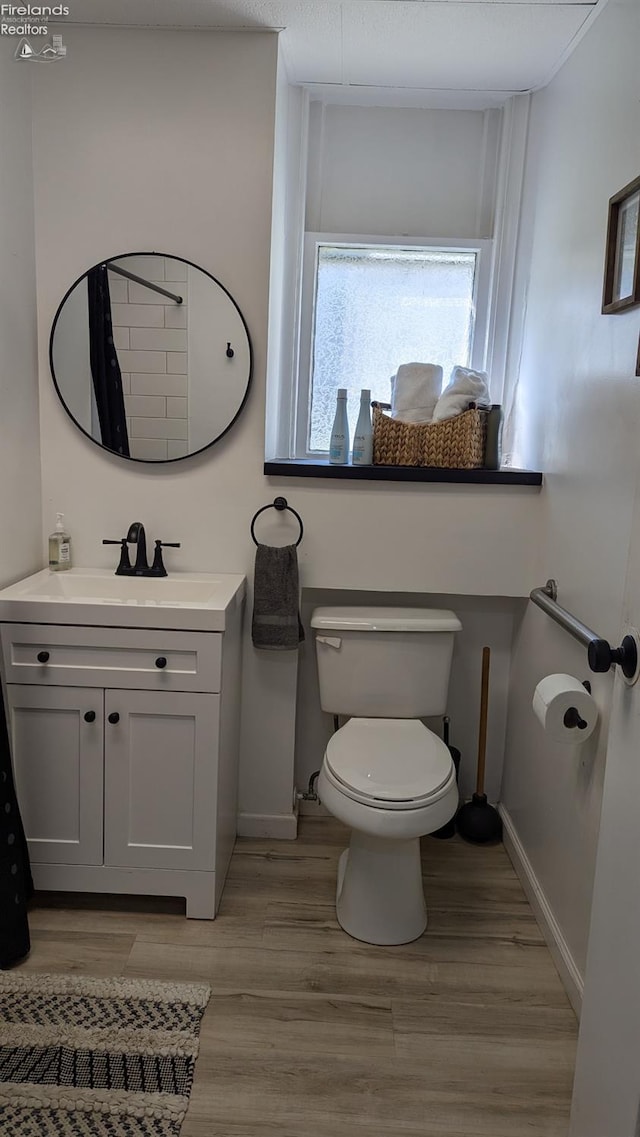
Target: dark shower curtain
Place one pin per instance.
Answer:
(16, 885)
(105, 369)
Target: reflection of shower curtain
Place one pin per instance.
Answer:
(105, 369)
(15, 875)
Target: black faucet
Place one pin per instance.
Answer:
(137, 536)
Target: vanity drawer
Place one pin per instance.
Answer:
(131, 658)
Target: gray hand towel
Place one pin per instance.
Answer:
(276, 624)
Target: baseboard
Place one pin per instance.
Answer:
(279, 826)
(568, 971)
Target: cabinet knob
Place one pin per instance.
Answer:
(161, 661)
(43, 657)
(114, 717)
(90, 716)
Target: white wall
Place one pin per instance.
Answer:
(20, 517)
(578, 403)
(191, 120)
(401, 171)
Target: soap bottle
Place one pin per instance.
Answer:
(363, 437)
(339, 444)
(59, 547)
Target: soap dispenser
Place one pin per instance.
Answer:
(339, 443)
(59, 547)
(363, 437)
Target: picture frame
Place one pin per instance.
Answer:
(621, 289)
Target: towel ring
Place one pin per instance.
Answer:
(279, 503)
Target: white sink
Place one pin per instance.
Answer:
(183, 600)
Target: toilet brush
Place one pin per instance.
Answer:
(477, 821)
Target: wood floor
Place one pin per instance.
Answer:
(465, 1033)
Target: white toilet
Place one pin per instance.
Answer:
(384, 773)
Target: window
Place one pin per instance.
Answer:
(369, 305)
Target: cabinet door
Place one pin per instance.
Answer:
(161, 759)
(57, 739)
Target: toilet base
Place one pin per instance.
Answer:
(380, 899)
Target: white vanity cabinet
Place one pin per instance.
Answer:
(58, 760)
(125, 750)
(159, 780)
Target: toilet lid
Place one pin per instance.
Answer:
(389, 759)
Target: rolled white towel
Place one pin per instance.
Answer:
(420, 414)
(415, 390)
(465, 386)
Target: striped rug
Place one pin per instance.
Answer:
(84, 1057)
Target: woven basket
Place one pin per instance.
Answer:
(457, 443)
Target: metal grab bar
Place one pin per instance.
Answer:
(545, 598)
(600, 654)
(140, 280)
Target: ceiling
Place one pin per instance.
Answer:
(398, 52)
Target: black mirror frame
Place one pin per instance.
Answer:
(123, 457)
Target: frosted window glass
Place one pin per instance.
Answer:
(378, 308)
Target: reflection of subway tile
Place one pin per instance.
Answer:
(159, 427)
(148, 448)
(174, 270)
(147, 406)
(175, 316)
(158, 384)
(142, 294)
(158, 339)
(117, 289)
(121, 338)
(150, 267)
(176, 408)
(177, 362)
(143, 361)
(177, 449)
(138, 316)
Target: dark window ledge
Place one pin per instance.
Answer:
(311, 468)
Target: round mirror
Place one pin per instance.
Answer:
(150, 356)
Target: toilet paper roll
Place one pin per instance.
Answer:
(556, 700)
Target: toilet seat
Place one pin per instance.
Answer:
(389, 763)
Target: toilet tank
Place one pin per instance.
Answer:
(384, 662)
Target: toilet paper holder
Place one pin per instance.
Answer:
(600, 654)
(565, 708)
(572, 717)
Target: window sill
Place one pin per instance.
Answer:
(312, 468)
